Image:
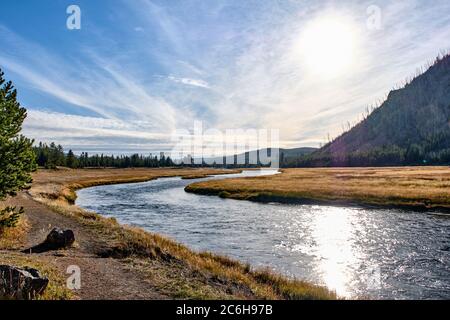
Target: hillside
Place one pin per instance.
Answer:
(250, 159)
(290, 157)
(411, 127)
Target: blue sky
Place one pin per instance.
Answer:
(139, 70)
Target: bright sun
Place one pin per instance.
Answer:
(327, 46)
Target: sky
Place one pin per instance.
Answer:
(138, 71)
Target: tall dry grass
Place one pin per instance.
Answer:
(413, 187)
(179, 271)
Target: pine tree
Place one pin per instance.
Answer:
(71, 160)
(17, 159)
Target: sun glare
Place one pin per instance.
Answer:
(327, 46)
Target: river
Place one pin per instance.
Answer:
(359, 252)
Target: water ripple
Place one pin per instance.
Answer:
(386, 254)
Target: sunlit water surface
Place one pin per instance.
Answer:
(359, 252)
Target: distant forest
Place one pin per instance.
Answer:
(52, 155)
(415, 154)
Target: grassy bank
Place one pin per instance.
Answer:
(182, 273)
(420, 188)
(61, 184)
(56, 289)
(171, 269)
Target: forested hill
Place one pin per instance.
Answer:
(411, 127)
(286, 157)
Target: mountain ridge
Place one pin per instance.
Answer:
(412, 126)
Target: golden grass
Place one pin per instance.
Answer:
(12, 238)
(62, 184)
(57, 288)
(140, 246)
(181, 272)
(413, 187)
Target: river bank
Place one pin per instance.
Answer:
(415, 188)
(121, 262)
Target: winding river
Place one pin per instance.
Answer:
(359, 252)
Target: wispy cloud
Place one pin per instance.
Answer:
(190, 82)
(83, 133)
(232, 64)
(101, 86)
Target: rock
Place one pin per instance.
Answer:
(21, 283)
(59, 238)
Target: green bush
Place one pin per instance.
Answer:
(9, 217)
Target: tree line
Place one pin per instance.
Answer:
(391, 155)
(51, 156)
(430, 152)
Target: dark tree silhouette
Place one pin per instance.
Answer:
(17, 159)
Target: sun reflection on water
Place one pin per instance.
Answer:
(359, 252)
(334, 235)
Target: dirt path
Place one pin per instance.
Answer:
(121, 262)
(101, 278)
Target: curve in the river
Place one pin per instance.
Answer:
(359, 252)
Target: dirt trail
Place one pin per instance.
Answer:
(101, 278)
(119, 262)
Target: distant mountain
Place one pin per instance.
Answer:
(256, 158)
(411, 127)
